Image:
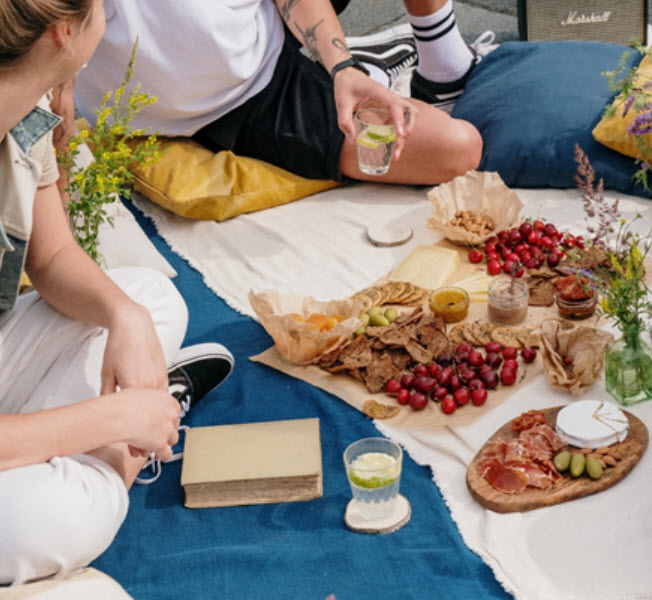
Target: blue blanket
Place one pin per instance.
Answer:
(300, 550)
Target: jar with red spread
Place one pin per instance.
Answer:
(576, 299)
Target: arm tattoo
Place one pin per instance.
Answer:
(340, 45)
(288, 5)
(310, 39)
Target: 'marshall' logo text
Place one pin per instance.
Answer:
(575, 18)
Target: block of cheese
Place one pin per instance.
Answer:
(427, 266)
(478, 282)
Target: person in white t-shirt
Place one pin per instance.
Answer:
(231, 74)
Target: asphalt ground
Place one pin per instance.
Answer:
(362, 17)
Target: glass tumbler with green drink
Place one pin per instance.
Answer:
(375, 139)
(373, 467)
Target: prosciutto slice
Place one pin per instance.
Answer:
(503, 478)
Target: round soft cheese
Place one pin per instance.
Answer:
(390, 234)
(592, 424)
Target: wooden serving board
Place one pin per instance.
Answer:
(567, 488)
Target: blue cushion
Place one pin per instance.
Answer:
(533, 101)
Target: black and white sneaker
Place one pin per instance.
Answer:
(196, 371)
(445, 95)
(392, 50)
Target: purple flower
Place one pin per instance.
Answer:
(641, 124)
(628, 104)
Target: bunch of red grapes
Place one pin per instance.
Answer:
(530, 246)
(457, 380)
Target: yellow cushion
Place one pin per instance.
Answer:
(612, 131)
(192, 181)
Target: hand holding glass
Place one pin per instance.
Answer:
(375, 140)
(373, 466)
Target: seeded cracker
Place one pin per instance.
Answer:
(376, 410)
(482, 332)
(456, 334)
(506, 336)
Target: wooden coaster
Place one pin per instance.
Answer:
(356, 522)
(390, 234)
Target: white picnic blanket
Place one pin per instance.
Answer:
(598, 547)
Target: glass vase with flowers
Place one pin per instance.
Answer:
(619, 277)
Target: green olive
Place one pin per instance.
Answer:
(562, 461)
(364, 317)
(360, 331)
(378, 320)
(375, 310)
(577, 464)
(593, 467)
(390, 314)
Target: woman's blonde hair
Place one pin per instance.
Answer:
(23, 22)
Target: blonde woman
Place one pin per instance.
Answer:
(88, 358)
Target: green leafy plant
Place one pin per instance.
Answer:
(114, 148)
(634, 94)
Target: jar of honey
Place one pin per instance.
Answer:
(450, 303)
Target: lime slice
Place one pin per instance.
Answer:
(381, 134)
(373, 470)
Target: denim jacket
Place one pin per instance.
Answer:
(21, 174)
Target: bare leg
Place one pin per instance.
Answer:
(438, 149)
(422, 8)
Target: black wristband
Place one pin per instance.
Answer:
(349, 62)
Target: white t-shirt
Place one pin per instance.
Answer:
(200, 58)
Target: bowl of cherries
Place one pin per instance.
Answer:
(463, 377)
(528, 247)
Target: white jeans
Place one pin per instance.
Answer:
(58, 516)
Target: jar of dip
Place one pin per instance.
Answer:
(576, 309)
(450, 303)
(507, 301)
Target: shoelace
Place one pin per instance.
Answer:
(154, 464)
(396, 70)
(484, 44)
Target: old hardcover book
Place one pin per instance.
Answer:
(252, 463)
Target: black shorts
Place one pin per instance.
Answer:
(292, 123)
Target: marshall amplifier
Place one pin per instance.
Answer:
(617, 21)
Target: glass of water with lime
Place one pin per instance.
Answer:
(375, 139)
(373, 467)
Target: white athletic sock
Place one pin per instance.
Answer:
(377, 74)
(443, 54)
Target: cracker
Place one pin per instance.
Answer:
(506, 336)
(367, 302)
(376, 410)
(456, 334)
(482, 332)
(419, 296)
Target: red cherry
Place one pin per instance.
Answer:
(515, 237)
(505, 252)
(534, 237)
(493, 255)
(476, 358)
(407, 381)
(464, 348)
(439, 393)
(403, 397)
(494, 360)
(418, 401)
(550, 230)
(513, 257)
(528, 354)
(511, 364)
(467, 374)
(454, 383)
(433, 369)
(508, 265)
(393, 387)
(509, 352)
(475, 256)
(507, 376)
(493, 267)
(445, 375)
(525, 228)
(491, 241)
(448, 406)
(424, 384)
(538, 225)
(545, 242)
(420, 371)
(479, 396)
(552, 259)
(518, 272)
(493, 346)
(527, 255)
(490, 379)
(461, 396)
(475, 384)
(533, 263)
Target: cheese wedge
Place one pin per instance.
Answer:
(427, 266)
(478, 282)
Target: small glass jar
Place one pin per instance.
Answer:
(450, 303)
(576, 309)
(507, 301)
